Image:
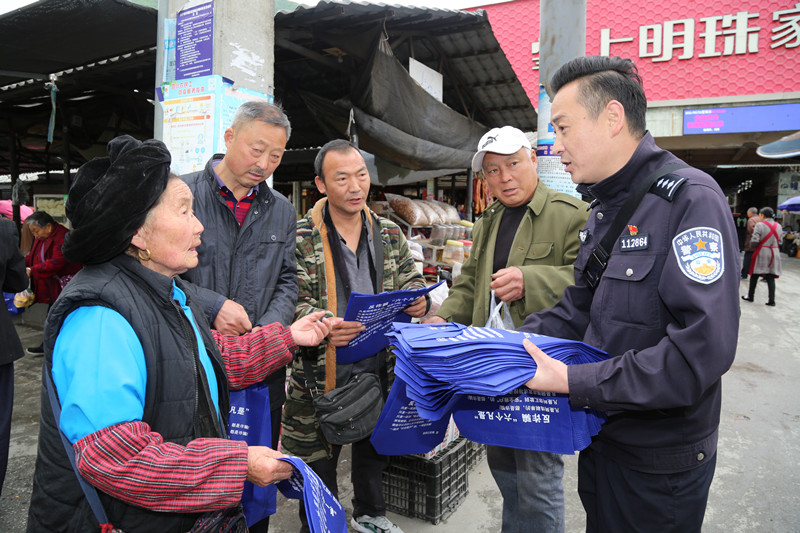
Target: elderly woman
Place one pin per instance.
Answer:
(139, 375)
(766, 260)
(46, 266)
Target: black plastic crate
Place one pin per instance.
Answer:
(429, 489)
(475, 453)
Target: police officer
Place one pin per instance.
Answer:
(665, 308)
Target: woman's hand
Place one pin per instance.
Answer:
(311, 329)
(263, 467)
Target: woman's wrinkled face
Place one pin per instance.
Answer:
(171, 232)
(41, 233)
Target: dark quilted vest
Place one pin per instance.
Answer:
(177, 403)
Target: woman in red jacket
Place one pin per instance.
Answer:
(46, 266)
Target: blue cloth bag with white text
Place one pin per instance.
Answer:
(249, 420)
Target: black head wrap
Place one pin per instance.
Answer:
(111, 197)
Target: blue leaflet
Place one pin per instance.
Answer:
(400, 430)
(324, 512)
(376, 312)
(474, 372)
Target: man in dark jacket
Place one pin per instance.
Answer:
(247, 256)
(665, 308)
(12, 279)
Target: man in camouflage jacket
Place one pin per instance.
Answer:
(343, 177)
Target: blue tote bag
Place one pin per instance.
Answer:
(249, 420)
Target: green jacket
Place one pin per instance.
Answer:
(300, 434)
(544, 249)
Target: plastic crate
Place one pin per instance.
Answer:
(475, 454)
(429, 489)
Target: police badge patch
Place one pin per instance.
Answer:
(699, 254)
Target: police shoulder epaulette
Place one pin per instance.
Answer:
(667, 186)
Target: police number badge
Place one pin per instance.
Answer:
(699, 254)
(635, 241)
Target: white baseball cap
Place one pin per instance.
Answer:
(506, 140)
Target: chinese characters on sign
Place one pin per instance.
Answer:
(720, 35)
(195, 39)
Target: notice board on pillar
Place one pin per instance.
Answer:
(197, 111)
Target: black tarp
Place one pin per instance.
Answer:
(397, 120)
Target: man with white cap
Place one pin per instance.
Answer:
(524, 246)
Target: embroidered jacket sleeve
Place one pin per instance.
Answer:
(252, 357)
(135, 465)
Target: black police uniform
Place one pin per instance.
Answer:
(667, 312)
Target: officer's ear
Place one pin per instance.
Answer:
(615, 117)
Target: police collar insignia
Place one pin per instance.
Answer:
(699, 254)
(668, 186)
(584, 235)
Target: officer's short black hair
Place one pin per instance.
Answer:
(767, 212)
(604, 79)
(336, 145)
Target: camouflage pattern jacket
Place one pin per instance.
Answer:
(300, 434)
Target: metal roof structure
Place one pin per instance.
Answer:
(321, 49)
(103, 54)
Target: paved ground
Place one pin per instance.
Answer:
(757, 483)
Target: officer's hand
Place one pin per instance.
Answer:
(551, 374)
(263, 467)
(417, 309)
(434, 320)
(342, 333)
(508, 284)
(309, 330)
(232, 319)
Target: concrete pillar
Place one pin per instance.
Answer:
(562, 36)
(244, 42)
(243, 49)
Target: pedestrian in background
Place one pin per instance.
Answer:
(48, 269)
(752, 220)
(766, 242)
(12, 279)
